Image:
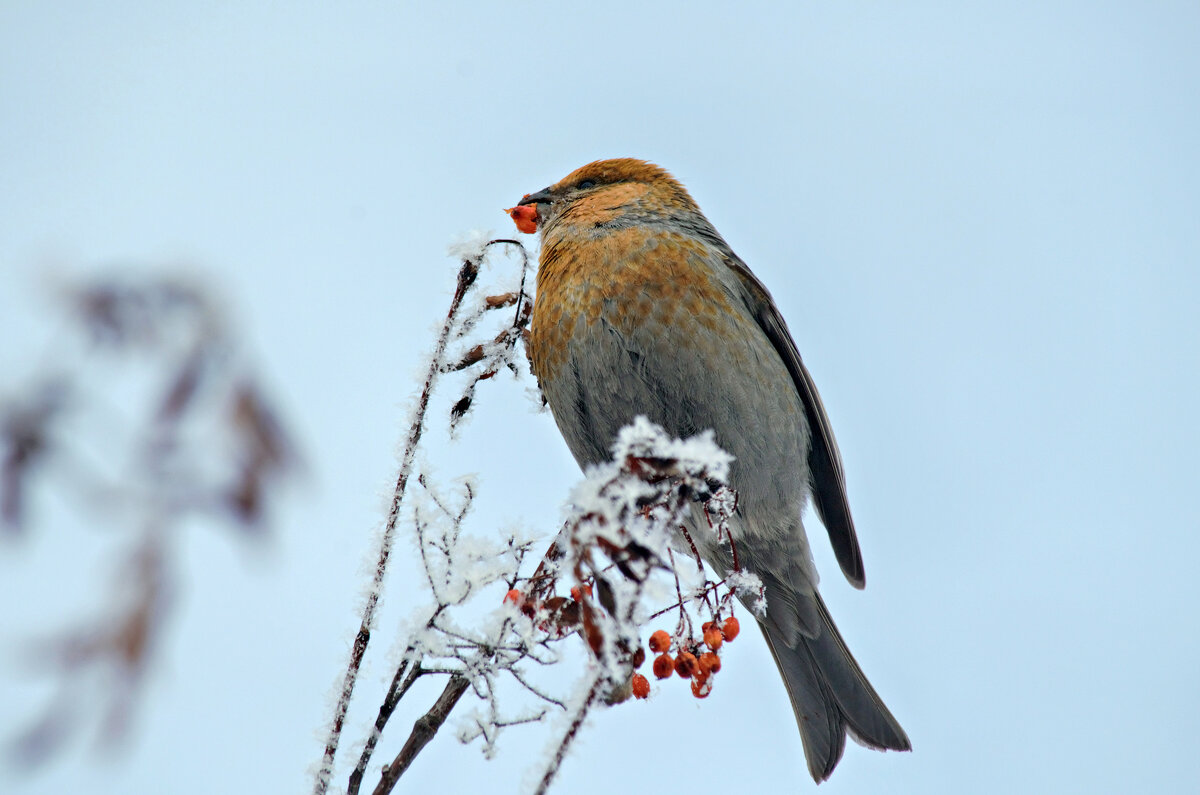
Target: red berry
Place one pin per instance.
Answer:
(730, 628)
(709, 663)
(685, 665)
(660, 642)
(641, 686)
(702, 686)
(663, 666)
(525, 217)
(713, 638)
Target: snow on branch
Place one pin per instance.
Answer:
(501, 621)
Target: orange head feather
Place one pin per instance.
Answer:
(603, 191)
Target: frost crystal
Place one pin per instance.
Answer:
(469, 246)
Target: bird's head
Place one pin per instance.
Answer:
(610, 193)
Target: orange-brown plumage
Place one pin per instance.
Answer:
(637, 277)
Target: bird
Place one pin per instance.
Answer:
(642, 308)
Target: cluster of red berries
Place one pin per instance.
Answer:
(696, 658)
(693, 661)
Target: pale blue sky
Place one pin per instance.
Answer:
(982, 224)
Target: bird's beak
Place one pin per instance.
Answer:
(543, 196)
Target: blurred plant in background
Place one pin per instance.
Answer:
(144, 416)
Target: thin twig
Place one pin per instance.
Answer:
(682, 628)
(466, 277)
(524, 270)
(423, 731)
(561, 751)
(516, 674)
(400, 685)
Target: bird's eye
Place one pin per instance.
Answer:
(585, 184)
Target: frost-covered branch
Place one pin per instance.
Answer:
(456, 324)
(496, 629)
(466, 277)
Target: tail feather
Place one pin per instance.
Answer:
(830, 694)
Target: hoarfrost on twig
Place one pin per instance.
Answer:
(501, 632)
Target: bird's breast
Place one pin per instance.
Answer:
(627, 283)
(629, 324)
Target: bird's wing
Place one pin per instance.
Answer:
(824, 462)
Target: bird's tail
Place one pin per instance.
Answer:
(829, 693)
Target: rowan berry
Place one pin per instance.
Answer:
(660, 642)
(525, 217)
(709, 663)
(685, 664)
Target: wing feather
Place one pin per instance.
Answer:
(824, 461)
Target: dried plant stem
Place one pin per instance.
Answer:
(466, 277)
(423, 731)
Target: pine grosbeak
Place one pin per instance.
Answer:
(642, 308)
